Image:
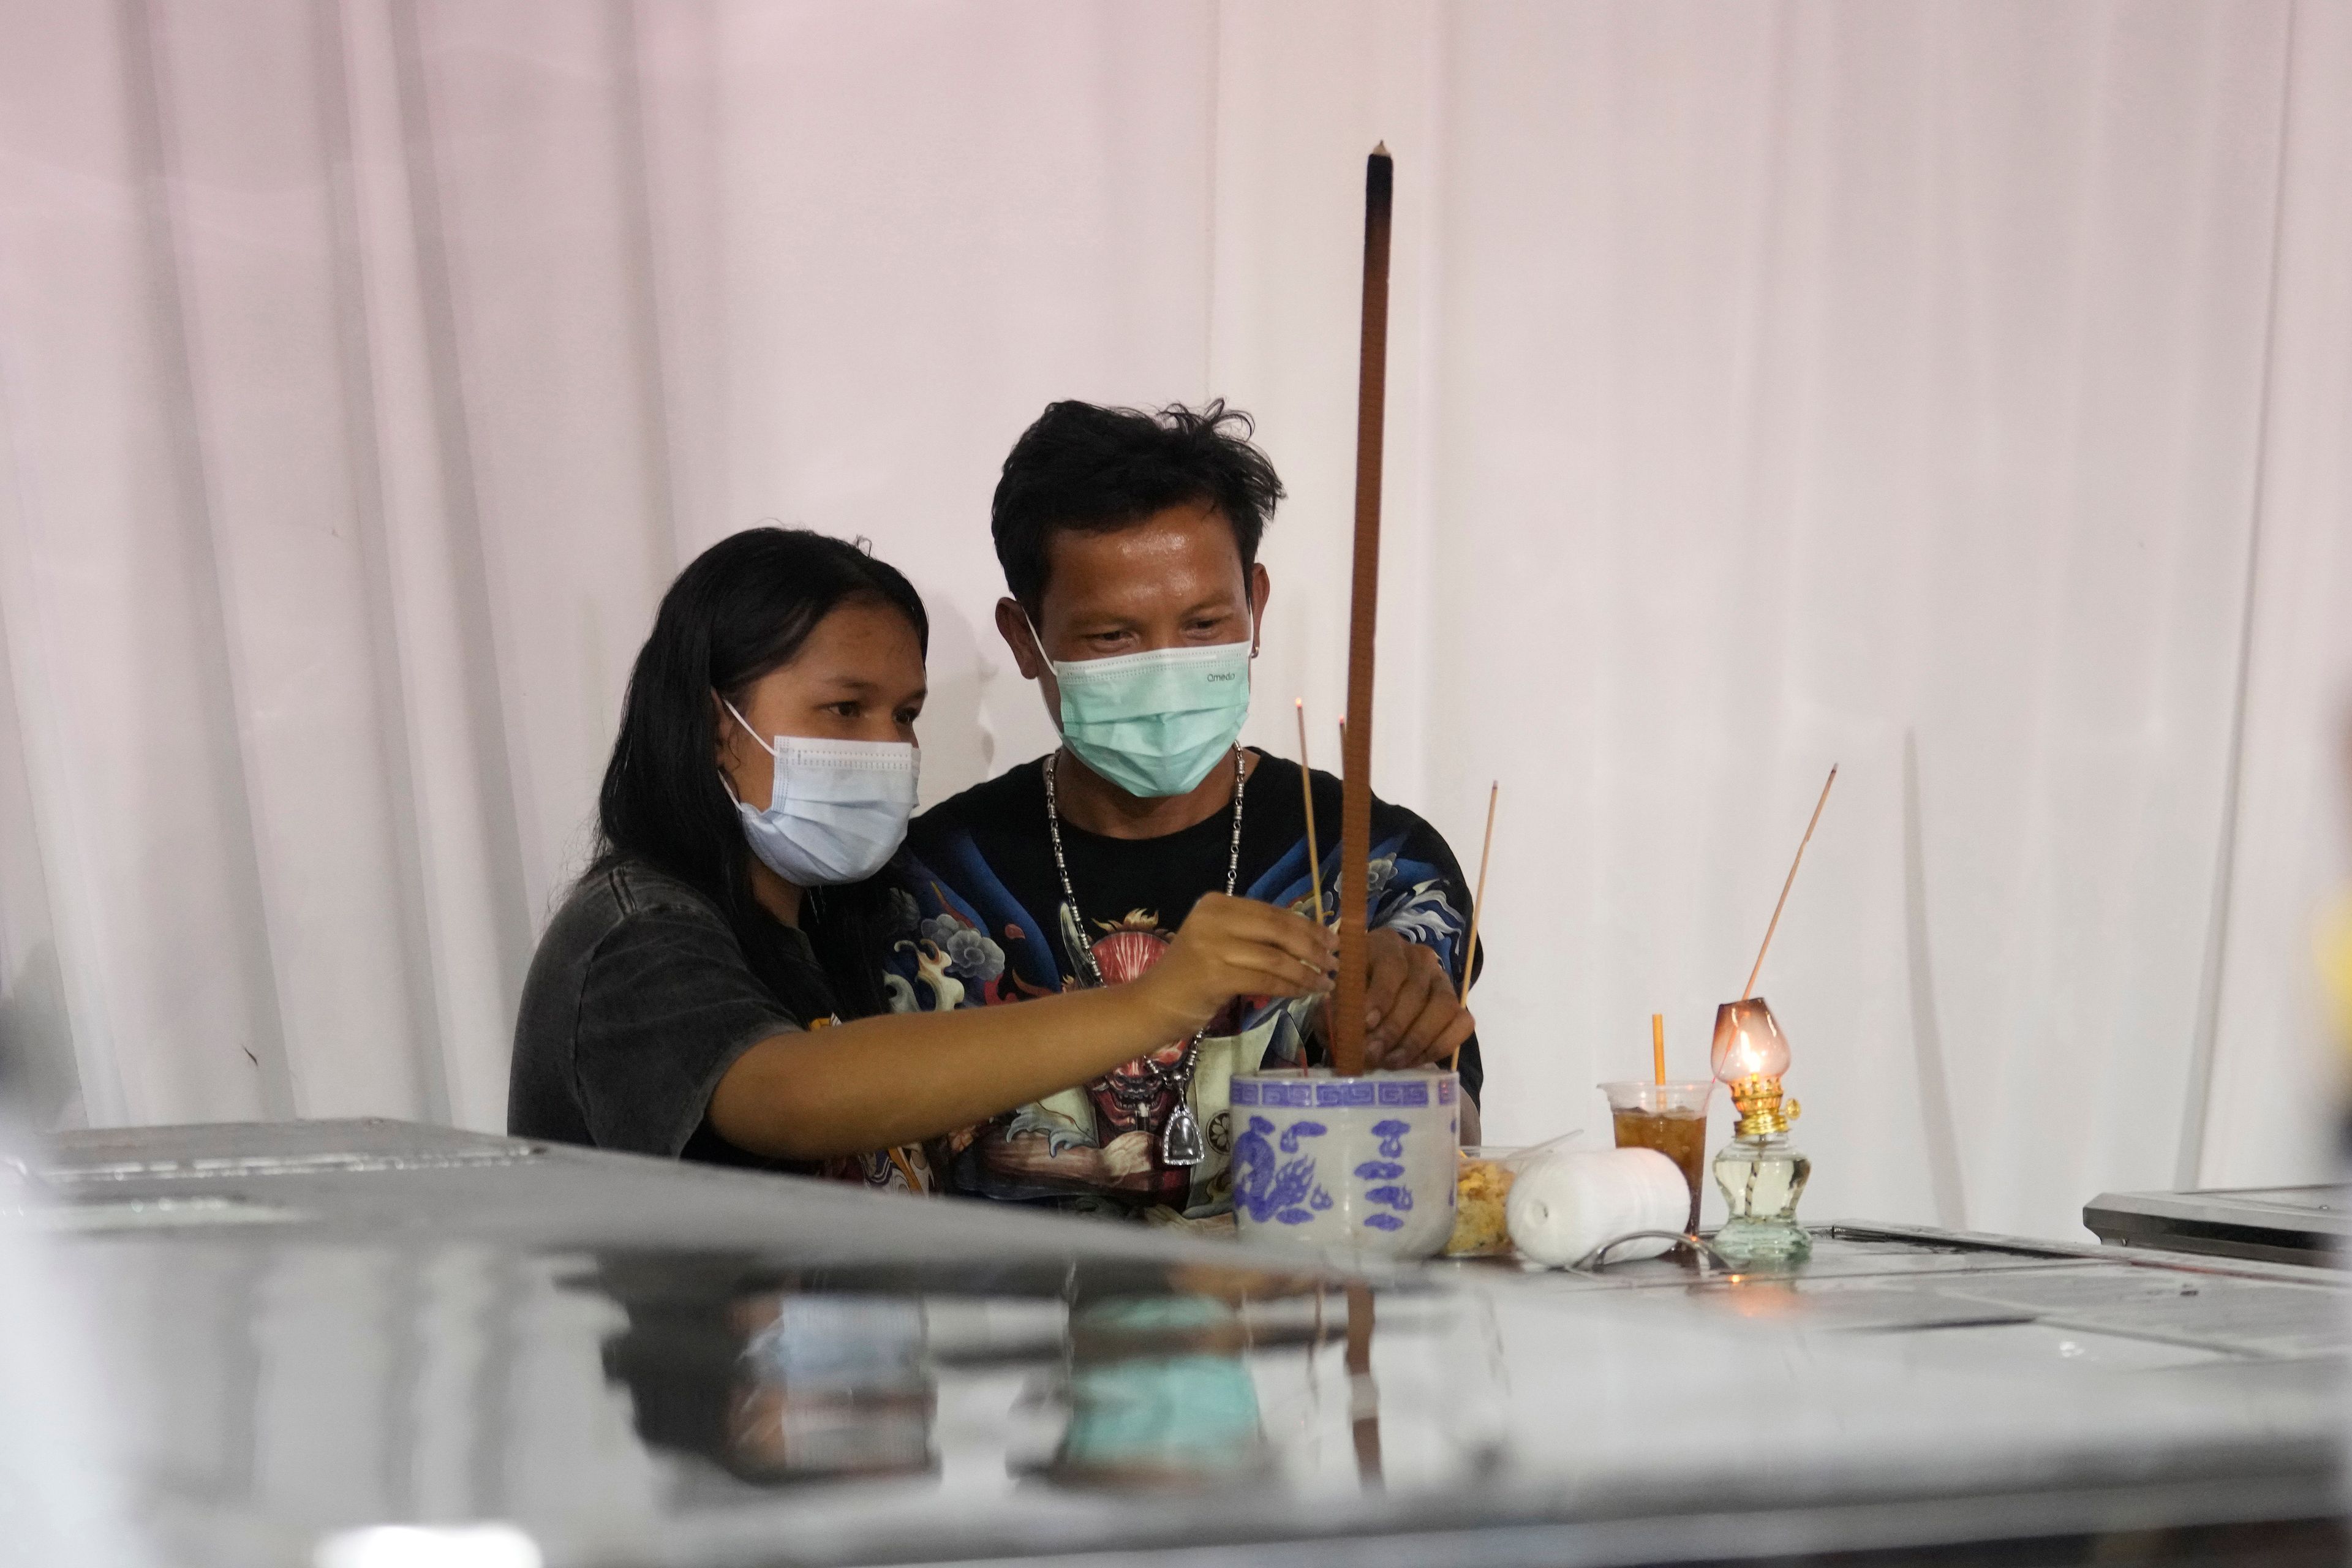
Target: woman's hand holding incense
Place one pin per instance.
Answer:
(900, 1078)
(1230, 947)
(1412, 1015)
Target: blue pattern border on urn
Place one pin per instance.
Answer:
(1341, 1091)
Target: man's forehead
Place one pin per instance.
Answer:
(1181, 552)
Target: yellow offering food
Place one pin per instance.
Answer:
(1480, 1188)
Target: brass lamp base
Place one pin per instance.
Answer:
(1759, 1101)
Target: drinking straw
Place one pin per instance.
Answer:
(1749, 989)
(1658, 1046)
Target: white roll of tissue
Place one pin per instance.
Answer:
(1565, 1205)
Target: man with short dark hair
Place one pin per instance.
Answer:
(1130, 547)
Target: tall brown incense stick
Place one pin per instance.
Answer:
(1307, 794)
(1364, 593)
(1478, 908)
(1749, 989)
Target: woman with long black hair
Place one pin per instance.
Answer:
(689, 997)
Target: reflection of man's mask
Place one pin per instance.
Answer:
(834, 1385)
(1155, 1397)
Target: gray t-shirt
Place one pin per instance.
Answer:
(639, 999)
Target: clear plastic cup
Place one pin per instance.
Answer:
(1670, 1118)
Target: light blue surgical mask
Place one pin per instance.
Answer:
(837, 811)
(1154, 723)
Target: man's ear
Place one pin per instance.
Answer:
(1013, 625)
(1261, 590)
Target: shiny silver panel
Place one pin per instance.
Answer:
(639, 1362)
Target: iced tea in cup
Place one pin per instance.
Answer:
(1670, 1118)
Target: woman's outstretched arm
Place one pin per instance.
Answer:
(901, 1078)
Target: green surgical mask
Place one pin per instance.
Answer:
(1155, 724)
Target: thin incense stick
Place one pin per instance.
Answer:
(1658, 1047)
(1478, 908)
(1749, 990)
(1307, 793)
(1364, 594)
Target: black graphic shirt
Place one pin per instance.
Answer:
(986, 923)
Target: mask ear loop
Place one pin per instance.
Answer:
(724, 782)
(1036, 639)
(746, 726)
(1045, 660)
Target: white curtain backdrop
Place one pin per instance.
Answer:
(1959, 392)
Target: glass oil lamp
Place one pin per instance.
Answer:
(1761, 1176)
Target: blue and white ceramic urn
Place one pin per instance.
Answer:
(1354, 1164)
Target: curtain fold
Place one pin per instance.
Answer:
(2268, 1081)
(1953, 393)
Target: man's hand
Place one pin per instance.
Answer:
(1411, 1016)
(1128, 1155)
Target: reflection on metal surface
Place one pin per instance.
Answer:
(773, 1384)
(635, 1363)
(796, 1377)
(1363, 1394)
(1159, 1395)
(150, 1213)
(436, 1546)
(229, 1166)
